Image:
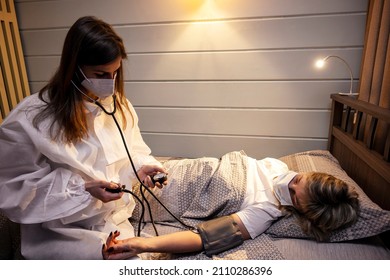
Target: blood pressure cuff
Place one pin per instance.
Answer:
(219, 235)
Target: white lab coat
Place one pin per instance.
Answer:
(42, 182)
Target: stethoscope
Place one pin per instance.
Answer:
(142, 185)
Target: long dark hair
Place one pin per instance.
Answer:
(89, 41)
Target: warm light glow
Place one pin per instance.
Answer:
(207, 30)
(320, 63)
(203, 10)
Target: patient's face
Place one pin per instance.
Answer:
(298, 191)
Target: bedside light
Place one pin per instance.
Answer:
(321, 62)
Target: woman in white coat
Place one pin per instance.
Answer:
(60, 152)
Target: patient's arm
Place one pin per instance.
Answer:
(244, 231)
(178, 242)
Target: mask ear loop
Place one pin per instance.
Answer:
(81, 71)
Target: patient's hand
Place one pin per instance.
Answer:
(115, 249)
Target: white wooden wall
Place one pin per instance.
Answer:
(212, 76)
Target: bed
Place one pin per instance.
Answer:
(193, 199)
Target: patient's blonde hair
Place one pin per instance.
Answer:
(331, 204)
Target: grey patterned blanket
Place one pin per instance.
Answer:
(198, 190)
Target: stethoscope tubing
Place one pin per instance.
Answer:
(142, 185)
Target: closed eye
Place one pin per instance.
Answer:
(105, 75)
(295, 199)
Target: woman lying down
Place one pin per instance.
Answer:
(321, 202)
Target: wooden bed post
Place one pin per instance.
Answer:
(13, 75)
(370, 168)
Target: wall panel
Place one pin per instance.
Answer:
(215, 66)
(211, 145)
(315, 31)
(255, 122)
(37, 14)
(234, 94)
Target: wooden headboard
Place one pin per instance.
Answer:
(355, 146)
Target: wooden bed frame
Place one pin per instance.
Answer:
(356, 128)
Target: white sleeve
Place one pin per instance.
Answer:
(258, 218)
(31, 191)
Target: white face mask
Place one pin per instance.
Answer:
(102, 88)
(281, 190)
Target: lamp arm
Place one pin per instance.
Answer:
(346, 64)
